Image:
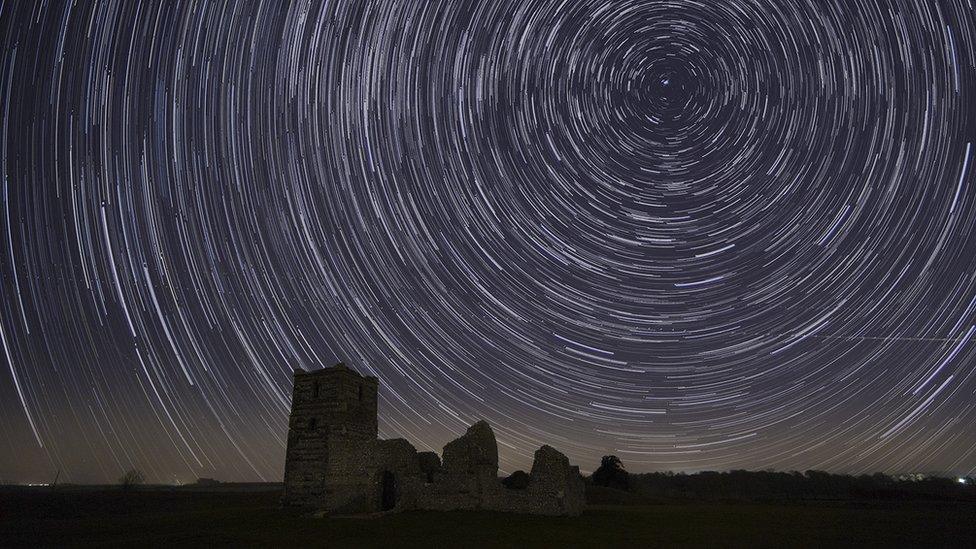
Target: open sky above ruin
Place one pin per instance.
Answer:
(693, 235)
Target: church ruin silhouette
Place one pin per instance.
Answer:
(335, 463)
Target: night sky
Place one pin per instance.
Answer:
(695, 236)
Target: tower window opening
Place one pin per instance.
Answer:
(315, 390)
(312, 424)
(360, 392)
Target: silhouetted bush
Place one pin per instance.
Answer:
(519, 480)
(131, 479)
(612, 474)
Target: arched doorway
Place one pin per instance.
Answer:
(388, 491)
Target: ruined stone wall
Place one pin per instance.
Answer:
(555, 488)
(360, 466)
(444, 494)
(335, 463)
(469, 480)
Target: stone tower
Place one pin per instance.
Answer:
(332, 409)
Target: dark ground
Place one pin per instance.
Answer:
(75, 517)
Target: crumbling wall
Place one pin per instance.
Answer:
(335, 463)
(555, 487)
(470, 467)
(475, 452)
(470, 480)
(354, 475)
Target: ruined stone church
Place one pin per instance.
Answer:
(335, 463)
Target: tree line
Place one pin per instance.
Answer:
(742, 484)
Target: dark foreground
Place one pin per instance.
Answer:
(42, 517)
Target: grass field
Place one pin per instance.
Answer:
(166, 518)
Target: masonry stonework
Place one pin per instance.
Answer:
(335, 463)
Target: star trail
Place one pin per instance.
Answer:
(697, 235)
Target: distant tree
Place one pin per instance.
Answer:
(519, 480)
(612, 474)
(131, 479)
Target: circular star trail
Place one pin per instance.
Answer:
(695, 236)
